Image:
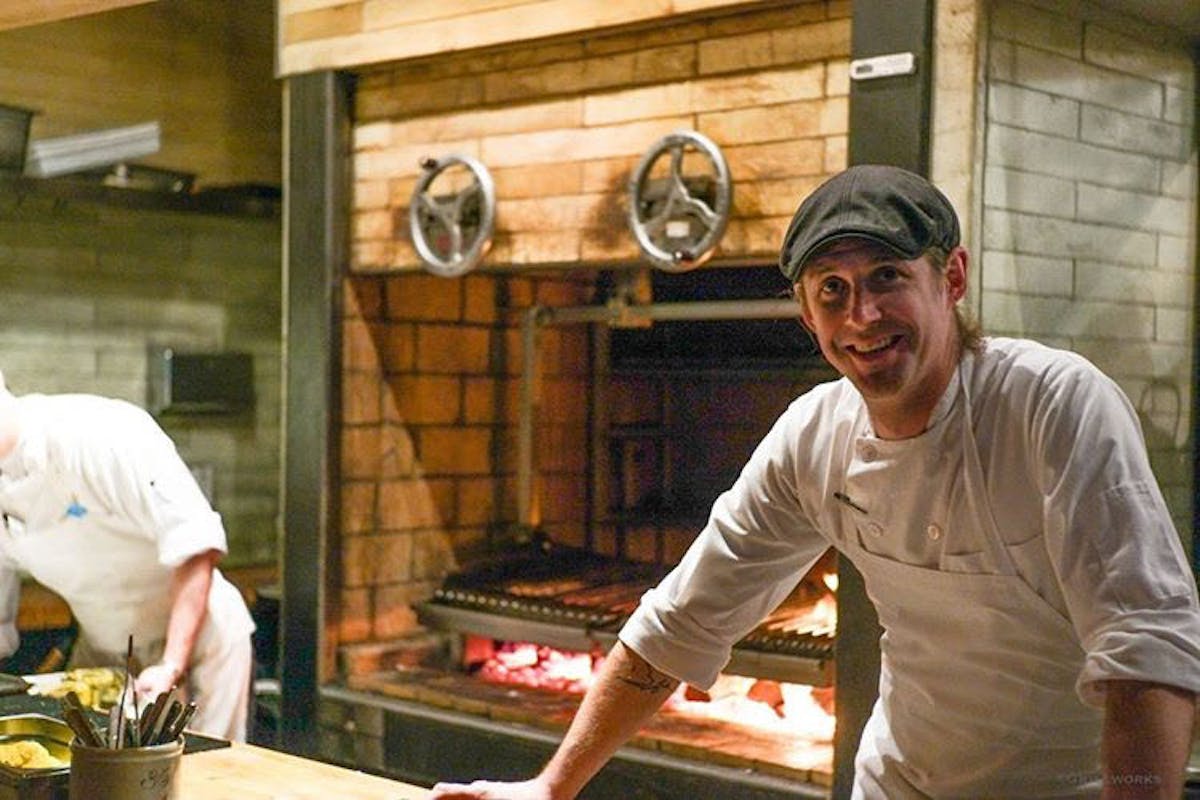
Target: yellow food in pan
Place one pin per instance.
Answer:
(28, 754)
(96, 687)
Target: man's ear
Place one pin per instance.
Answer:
(956, 274)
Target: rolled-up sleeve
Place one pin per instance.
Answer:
(1129, 589)
(757, 544)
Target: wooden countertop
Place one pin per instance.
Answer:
(248, 772)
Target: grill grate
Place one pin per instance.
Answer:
(567, 597)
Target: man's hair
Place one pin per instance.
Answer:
(970, 334)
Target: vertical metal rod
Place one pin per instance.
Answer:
(598, 456)
(528, 512)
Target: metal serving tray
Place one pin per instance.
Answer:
(36, 784)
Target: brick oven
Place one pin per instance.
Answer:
(453, 548)
(522, 449)
(429, 472)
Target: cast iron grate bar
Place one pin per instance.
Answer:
(573, 589)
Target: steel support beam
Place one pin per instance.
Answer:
(316, 202)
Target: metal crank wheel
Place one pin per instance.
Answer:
(452, 229)
(679, 219)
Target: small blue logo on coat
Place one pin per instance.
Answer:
(75, 510)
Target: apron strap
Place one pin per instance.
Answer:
(977, 494)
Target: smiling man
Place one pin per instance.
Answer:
(1041, 626)
(882, 323)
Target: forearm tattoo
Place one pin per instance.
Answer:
(646, 678)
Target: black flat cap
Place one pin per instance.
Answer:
(888, 205)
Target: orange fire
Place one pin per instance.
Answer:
(797, 710)
(801, 711)
(529, 664)
(801, 614)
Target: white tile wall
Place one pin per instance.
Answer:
(86, 290)
(1090, 205)
(1010, 272)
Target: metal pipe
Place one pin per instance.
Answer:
(616, 312)
(528, 515)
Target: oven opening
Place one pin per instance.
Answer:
(526, 635)
(621, 418)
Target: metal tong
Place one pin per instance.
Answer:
(164, 720)
(160, 722)
(76, 717)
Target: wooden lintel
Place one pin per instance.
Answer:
(35, 12)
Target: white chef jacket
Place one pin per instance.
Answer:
(99, 507)
(1067, 481)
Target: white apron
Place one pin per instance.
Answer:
(116, 587)
(977, 694)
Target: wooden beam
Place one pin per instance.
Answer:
(35, 12)
(345, 34)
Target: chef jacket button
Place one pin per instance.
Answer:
(934, 531)
(869, 452)
(875, 529)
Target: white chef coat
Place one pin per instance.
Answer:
(99, 507)
(1066, 481)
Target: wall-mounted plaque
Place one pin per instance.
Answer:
(680, 197)
(452, 215)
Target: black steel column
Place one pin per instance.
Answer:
(316, 203)
(890, 115)
(889, 124)
(1195, 537)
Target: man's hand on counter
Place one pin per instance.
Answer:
(490, 790)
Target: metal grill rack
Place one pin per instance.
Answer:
(578, 601)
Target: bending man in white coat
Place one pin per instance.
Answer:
(98, 507)
(1041, 626)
